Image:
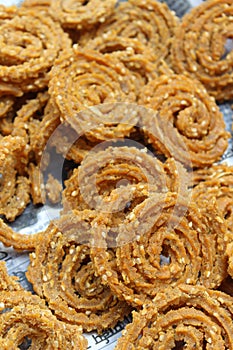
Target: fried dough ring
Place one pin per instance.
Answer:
(190, 317)
(78, 14)
(151, 22)
(194, 118)
(199, 47)
(86, 78)
(138, 58)
(28, 51)
(171, 243)
(61, 272)
(25, 316)
(103, 172)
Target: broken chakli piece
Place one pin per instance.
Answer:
(199, 48)
(166, 241)
(185, 317)
(31, 120)
(19, 241)
(26, 321)
(61, 272)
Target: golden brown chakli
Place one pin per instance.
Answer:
(193, 317)
(24, 317)
(200, 50)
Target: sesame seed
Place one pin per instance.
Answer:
(45, 278)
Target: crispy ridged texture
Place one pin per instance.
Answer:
(189, 117)
(84, 78)
(216, 183)
(62, 272)
(78, 14)
(167, 242)
(28, 50)
(190, 317)
(14, 184)
(151, 22)
(24, 317)
(138, 58)
(199, 47)
(116, 180)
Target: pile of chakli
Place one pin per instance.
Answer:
(25, 320)
(126, 94)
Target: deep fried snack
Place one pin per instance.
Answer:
(151, 22)
(18, 112)
(9, 106)
(18, 241)
(62, 272)
(35, 122)
(49, 123)
(108, 121)
(138, 58)
(171, 243)
(6, 13)
(14, 184)
(25, 321)
(84, 78)
(7, 282)
(30, 43)
(199, 47)
(217, 184)
(37, 189)
(191, 116)
(16, 196)
(25, 317)
(103, 171)
(214, 171)
(81, 14)
(190, 317)
(117, 207)
(27, 123)
(6, 126)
